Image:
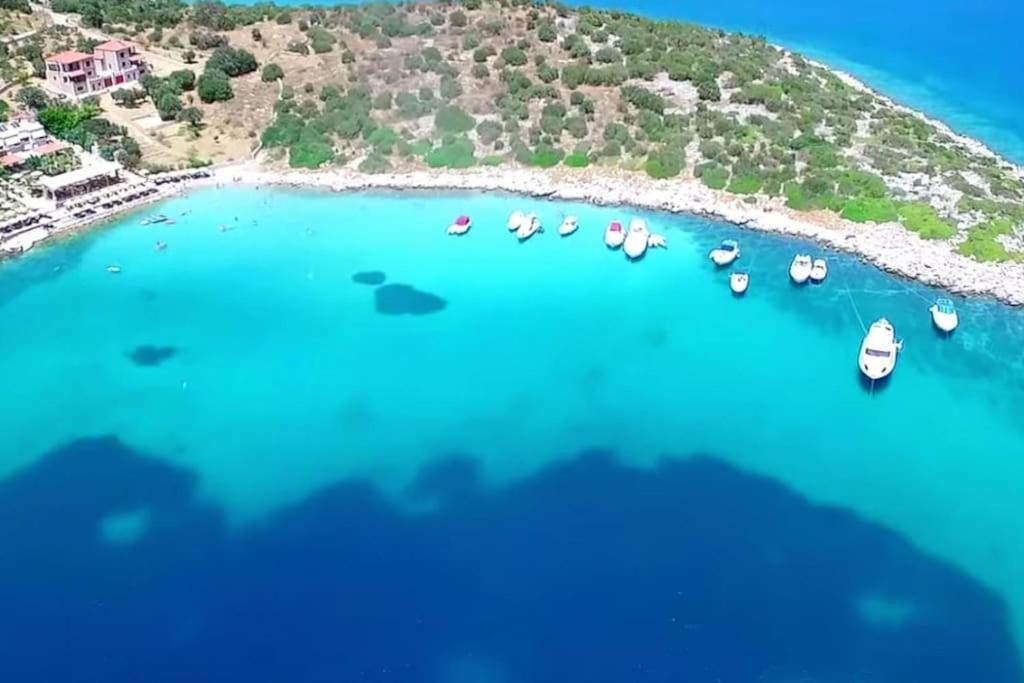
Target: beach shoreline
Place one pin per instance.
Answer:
(887, 246)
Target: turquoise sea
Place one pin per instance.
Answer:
(332, 443)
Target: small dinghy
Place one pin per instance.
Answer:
(944, 315)
(460, 226)
(614, 236)
(819, 270)
(514, 221)
(800, 269)
(160, 246)
(152, 220)
(655, 241)
(635, 243)
(114, 269)
(568, 226)
(879, 350)
(727, 252)
(528, 227)
(738, 282)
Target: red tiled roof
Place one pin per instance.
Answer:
(49, 148)
(114, 46)
(9, 160)
(69, 57)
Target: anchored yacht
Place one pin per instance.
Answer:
(879, 350)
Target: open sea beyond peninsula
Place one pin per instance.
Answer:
(316, 439)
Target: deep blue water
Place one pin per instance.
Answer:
(958, 60)
(332, 444)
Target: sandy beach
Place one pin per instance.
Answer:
(888, 246)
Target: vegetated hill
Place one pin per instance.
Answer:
(507, 82)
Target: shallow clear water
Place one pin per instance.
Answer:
(235, 433)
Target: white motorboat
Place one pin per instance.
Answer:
(528, 227)
(800, 269)
(461, 226)
(514, 221)
(635, 244)
(879, 350)
(614, 235)
(114, 269)
(656, 241)
(568, 226)
(944, 315)
(727, 252)
(739, 281)
(819, 270)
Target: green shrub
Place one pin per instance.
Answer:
(232, 61)
(513, 56)
(869, 210)
(272, 72)
(922, 219)
(489, 131)
(577, 160)
(454, 152)
(664, 163)
(451, 119)
(375, 163)
(214, 86)
(745, 183)
(714, 175)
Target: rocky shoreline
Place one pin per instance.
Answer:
(888, 246)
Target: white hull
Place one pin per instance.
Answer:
(946, 322)
(721, 257)
(568, 226)
(529, 227)
(738, 283)
(819, 271)
(879, 351)
(614, 238)
(635, 244)
(456, 229)
(800, 269)
(514, 221)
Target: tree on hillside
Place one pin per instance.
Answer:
(272, 72)
(128, 97)
(192, 116)
(232, 61)
(214, 86)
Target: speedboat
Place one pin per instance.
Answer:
(635, 244)
(944, 315)
(568, 226)
(114, 269)
(819, 271)
(738, 282)
(727, 252)
(514, 221)
(879, 349)
(656, 241)
(460, 226)
(800, 269)
(614, 235)
(528, 227)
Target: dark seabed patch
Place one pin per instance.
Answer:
(578, 572)
(149, 356)
(369, 277)
(406, 300)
